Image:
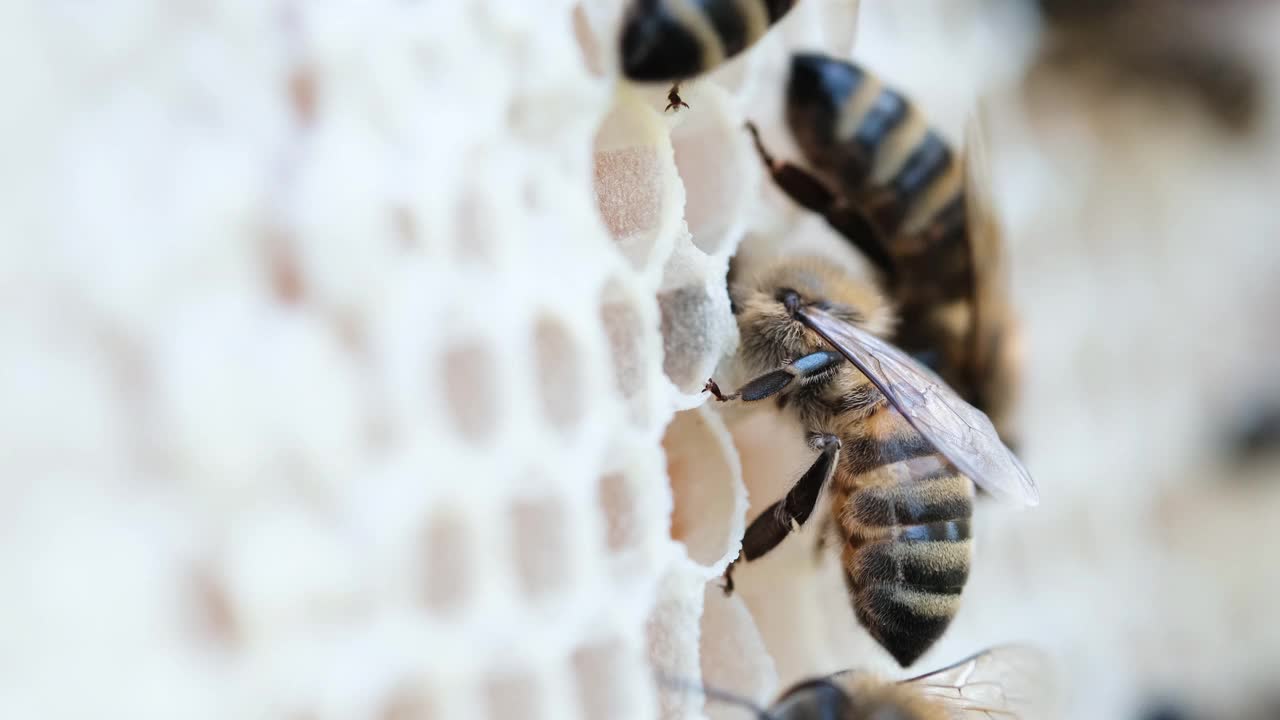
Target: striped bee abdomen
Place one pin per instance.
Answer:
(878, 153)
(874, 143)
(908, 547)
(671, 40)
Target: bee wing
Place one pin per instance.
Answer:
(958, 430)
(1011, 681)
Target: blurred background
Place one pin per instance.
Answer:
(1134, 143)
(351, 358)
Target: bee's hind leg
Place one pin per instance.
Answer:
(788, 514)
(809, 192)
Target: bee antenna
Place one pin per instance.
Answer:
(711, 693)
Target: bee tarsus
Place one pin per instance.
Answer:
(674, 101)
(790, 513)
(727, 578)
(714, 389)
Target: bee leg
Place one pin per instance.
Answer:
(787, 515)
(673, 99)
(810, 193)
(775, 381)
(727, 585)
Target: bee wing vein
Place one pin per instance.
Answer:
(955, 428)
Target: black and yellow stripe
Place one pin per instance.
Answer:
(881, 151)
(880, 154)
(671, 40)
(905, 516)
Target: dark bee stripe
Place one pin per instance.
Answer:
(915, 566)
(821, 81)
(953, 214)
(910, 503)
(875, 562)
(941, 531)
(885, 115)
(953, 270)
(930, 159)
(730, 25)
(899, 627)
(778, 8)
(864, 453)
(818, 87)
(655, 46)
(861, 398)
(921, 570)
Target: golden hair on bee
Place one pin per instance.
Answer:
(767, 325)
(898, 451)
(918, 210)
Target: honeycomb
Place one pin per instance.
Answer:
(353, 363)
(352, 355)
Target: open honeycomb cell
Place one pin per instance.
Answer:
(608, 678)
(411, 701)
(718, 168)
(468, 384)
(540, 542)
(633, 348)
(558, 379)
(514, 694)
(213, 613)
(706, 484)
(448, 562)
(638, 190)
(617, 498)
(635, 517)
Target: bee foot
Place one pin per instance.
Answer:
(727, 584)
(714, 389)
(673, 99)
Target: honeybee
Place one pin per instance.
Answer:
(674, 40)
(898, 451)
(921, 214)
(995, 683)
(1009, 681)
(1153, 48)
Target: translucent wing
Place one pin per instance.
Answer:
(958, 430)
(1010, 681)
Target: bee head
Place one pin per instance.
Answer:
(819, 698)
(783, 289)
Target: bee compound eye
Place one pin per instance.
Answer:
(790, 299)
